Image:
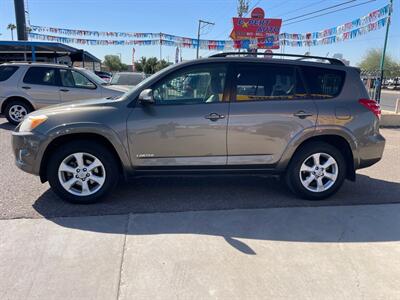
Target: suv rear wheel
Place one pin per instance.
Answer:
(16, 110)
(316, 171)
(82, 172)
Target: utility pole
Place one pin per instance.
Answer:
(160, 46)
(198, 33)
(378, 94)
(20, 20)
(243, 8)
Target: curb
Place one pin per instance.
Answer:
(389, 119)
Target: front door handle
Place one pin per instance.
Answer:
(64, 90)
(302, 114)
(26, 87)
(214, 117)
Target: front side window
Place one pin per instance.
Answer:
(193, 85)
(71, 78)
(6, 72)
(263, 83)
(41, 75)
(323, 83)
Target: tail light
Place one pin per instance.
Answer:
(371, 105)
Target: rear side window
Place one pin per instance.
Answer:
(263, 83)
(323, 83)
(41, 75)
(6, 72)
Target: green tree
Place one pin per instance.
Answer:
(11, 27)
(372, 60)
(150, 65)
(113, 63)
(162, 64)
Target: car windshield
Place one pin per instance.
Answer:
(127, 78)
(93, 77)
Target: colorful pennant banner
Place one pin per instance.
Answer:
(373, 21)
(334, 31)
(204, 44)
(337, 38)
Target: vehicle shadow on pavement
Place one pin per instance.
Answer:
(210, 202)
(7, 126)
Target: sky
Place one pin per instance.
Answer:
(180, 17)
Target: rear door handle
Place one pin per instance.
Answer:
(214, 117)
(26, 87)
(64, 90)
(302, 114)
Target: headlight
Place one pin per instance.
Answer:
(32, 122)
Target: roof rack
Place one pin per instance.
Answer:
(29, 62)
(333, 61)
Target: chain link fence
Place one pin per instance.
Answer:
(371, 80)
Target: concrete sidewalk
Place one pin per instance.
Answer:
(346, 252)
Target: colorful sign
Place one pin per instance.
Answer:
(265, 31)
(249, 28)
(258, 13)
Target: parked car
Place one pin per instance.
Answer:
(309, 122)
(25, 87)
(106, 76)
(127, 79)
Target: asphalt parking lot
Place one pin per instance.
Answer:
(23, 196)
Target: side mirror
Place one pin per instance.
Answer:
(146, 97)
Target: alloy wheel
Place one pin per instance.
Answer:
(81, 174)
(319, 172)
(17, 113)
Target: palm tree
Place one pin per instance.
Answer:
(12, 27)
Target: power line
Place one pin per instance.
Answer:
(327, 13)
(250, 9)
(301, 8)
(319, 10)
(273, 7)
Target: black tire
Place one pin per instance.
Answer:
(292, 176)
(7, 110)
(96, 149)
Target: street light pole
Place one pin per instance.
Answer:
(198, 34)
(378, 94)
(20, 20)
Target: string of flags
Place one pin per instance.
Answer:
(204, 44)
(338, 37)
(349, 26)
(375, 20)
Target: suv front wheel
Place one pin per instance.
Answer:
(16, 111)
(82, 172)
(316, 171)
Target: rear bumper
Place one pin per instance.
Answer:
(371, 150)
(27, 148)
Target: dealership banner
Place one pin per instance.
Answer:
(375, 20)
(339, 37)
(204, 44)
(372, 17)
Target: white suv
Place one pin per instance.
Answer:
(25, 87)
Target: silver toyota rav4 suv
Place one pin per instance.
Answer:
(25, 87)
(310, 122)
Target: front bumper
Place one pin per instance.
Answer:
(27, 148)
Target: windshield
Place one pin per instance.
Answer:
(93, 77)
(127, 79)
